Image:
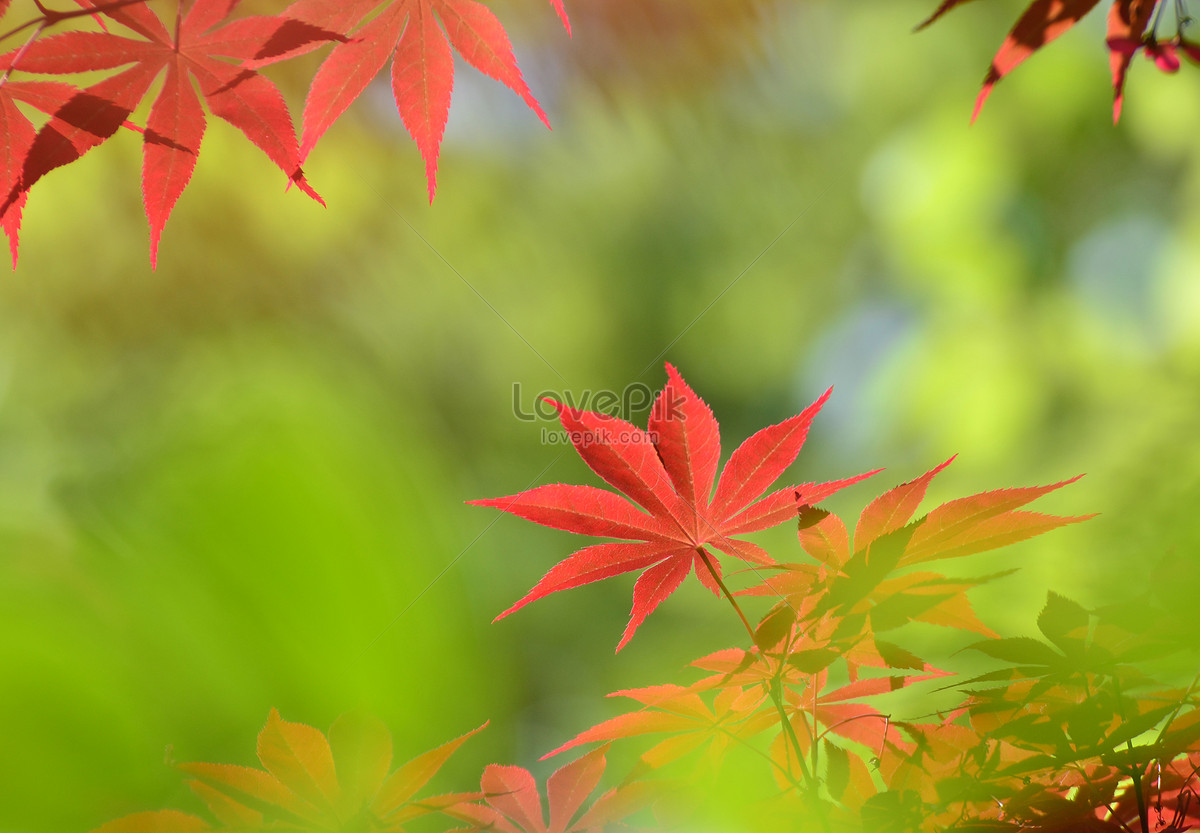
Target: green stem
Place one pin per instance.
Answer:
(712, 571)
(776, 696)
(790, 733)
(816, 743)
(1182, 702)
(776, 690)
(1135, 771)
(1143, 811)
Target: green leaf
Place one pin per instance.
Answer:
(1061, 620)
(403, 784)
(161, 821)
(902, 608)
(897, 657)
(892, 812)
(811, 516)
(1019, 649)
(775, 626)
(866, 569)
(1130, 729)
(300, 758)
(258, 790)
(837, 769)
(362, 748)
(812, 661)
(1085, 722)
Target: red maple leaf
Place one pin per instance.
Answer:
(669, 472)
(1127, 21)
(188, 50)
(688, 718)
(422, 63)
(1046, 20)
(515, 806)
(1041, 23)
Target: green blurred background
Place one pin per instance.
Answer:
(238, 482)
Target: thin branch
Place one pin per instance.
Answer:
(21, 52)
(776, 690)
(886, 718)
(712, 571)
(790, 733)
(50, 16)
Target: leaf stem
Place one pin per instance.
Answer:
(816, 745)
(1162, 733)
(1135, 771)
(790, 732)
(1158, 14)
(42, 24)
(885, 717)
(776, 691)
(712, 571)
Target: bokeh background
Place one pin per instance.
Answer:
(238, 482)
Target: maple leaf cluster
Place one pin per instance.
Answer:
(1133, 26)
(344, 781)
(669, 469)
(1069, 734)
(1046, 743)
(309, 781)
(203, 55)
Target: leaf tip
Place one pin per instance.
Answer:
(14, 248)
(431, 174)
(946, 6)
(628, 635)
(562, 15)
(988, 85)
(541, 114)
(301, 182)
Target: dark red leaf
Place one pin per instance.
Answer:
(17, 135)
(1041, 23)
(1127, 21)
(945, 6)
